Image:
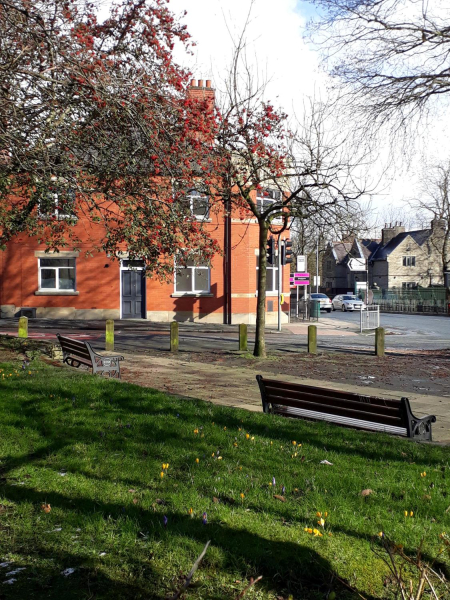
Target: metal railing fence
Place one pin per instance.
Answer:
(432, 300)
(369, 317)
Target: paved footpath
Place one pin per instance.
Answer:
(237, 387)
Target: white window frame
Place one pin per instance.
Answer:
(57, 288)
(267, 197)
(193, 292)
(409, 261)
(194, 195)
(55, 212)
(273, 268)
(409, 285)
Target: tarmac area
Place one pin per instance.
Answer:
(210, 367)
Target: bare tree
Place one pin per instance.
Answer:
(405, 215)
(305, 172)
(312, 235)
(434, 201)
(391, 56)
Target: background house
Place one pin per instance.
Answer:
(408, 259)
(345, 264)
(400, 260)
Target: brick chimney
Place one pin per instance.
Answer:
(438, 225)
(390, 231)
(202, 92)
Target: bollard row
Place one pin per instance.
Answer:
(174, 337)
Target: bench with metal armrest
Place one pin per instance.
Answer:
(344, 408)
(77, 353)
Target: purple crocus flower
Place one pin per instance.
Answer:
(273, 481)
(165, 521)
(283, 490)
(205, 518)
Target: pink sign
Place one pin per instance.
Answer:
(299, 279)
(299, 282)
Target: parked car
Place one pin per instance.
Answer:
(325, 302)
(347, 302)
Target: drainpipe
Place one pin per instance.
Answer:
(227, 265)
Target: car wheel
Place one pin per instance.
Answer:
(343, 308)
(333, 307)
(328, 310)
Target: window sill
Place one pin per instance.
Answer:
(270, 294)
(56, 293)
(58, 217)
(191, 295)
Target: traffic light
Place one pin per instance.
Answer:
(271, 251)
(286, 253)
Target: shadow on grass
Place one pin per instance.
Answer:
(99, 414)
(127, 400)
(286, 567)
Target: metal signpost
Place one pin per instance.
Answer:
(296, 280)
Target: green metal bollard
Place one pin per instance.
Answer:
(243, 337)
(379, 341)
(312, 339)
(23, 327)
(174, 336)
(109, 335)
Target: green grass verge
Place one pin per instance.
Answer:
(93, 450)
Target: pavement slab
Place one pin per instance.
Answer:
(236, 386)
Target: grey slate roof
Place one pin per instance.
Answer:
(420, 237)
(369, 246)
(341, 250)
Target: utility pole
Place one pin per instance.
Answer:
(317, 266)
(279, 283)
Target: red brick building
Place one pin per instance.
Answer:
(71, 285)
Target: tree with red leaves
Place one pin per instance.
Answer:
(276, 173)
(97, 128)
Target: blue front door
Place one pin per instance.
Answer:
(133, 295)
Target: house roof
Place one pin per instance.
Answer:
(420, 237)
(369, 246)
(340, 250)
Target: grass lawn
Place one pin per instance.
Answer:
(90, 452)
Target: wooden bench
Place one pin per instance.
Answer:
(77, 353)
(344, 408)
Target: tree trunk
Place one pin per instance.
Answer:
(445, 252)
(260, 342)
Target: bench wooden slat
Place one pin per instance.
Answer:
(330, 392)
(83, 361)
(339, 411)
(74, 345)
(355, 423)
(331, 401)
(84, 352)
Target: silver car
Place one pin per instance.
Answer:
(346, 302)
(325, 302)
